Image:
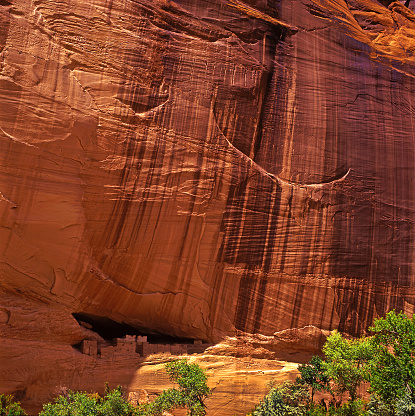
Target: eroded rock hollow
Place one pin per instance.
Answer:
(201, 167)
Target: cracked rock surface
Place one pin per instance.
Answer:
(200, 168)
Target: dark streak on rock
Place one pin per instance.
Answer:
(4, 24)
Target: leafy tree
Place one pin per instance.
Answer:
(114, 404)
(290, 399)
(386, 360)
(165, 402)
(8, 407)
(313, 374)
(377, 407)
(351, 408)
(392, 367)
(271, 405)
(192, 391)
(346, 362)
(192, 385)
(405, 405)
(84, 404)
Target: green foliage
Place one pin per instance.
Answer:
(386, 360)
(405, 406)
(392, 368)
(346, 362)
(8, 407)
(351, 408)
(84, 404)
(192, 384)
(316, 410)
(191, 393)
(114, 404)
(166, 401)
(272, 405)
(313, 375)
(322, 410)
(291, 399)
(377, 407)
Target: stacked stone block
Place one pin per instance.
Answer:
(132, 345)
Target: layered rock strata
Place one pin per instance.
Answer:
(202, 167)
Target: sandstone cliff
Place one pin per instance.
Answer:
(200, 168)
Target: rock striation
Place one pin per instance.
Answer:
(202, 168)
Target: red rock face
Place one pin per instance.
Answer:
(197, 167)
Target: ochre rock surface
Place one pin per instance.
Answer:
(201, 168)
(237, 383)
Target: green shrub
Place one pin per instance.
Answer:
(191, 393)
(352, 408)
(377, 407)
(290, 399)
(386, 360)
(320, 410)
(84, 404)
(347, 362)
(114, 404)
(405, 405)
(392, 368)
(8, 407)
(313, 374)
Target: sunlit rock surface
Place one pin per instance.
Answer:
(200, 168)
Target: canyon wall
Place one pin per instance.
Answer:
(202, 168)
